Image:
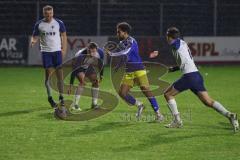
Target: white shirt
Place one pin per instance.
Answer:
(183, 56)
(49, 33)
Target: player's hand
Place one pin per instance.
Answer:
(69, 89)
(107, 51)
(173, 68)
(153, 54)
(33, 41)
(63, 51)
(32, 44)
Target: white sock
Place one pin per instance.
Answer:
(158, 113)
(173, 108)
(76, 99)
(220, 108)
(138, 103)
(95, 95)
(78, 93)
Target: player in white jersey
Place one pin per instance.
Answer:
(53, 45)
(191, 79)
(87, 63)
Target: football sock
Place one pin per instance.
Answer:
(78, 93)
(154, 103)
(220, 108)
(173, 108)
(94, 95)
(138, 103)
(130, 99)
(60, 97)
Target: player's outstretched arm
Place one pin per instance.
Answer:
(112, 49)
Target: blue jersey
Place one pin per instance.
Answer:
(129, 48)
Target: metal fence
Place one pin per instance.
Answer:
(148, 17)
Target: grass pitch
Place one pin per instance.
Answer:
(29, 131)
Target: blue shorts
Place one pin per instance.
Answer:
(192, 81)
(52, 59)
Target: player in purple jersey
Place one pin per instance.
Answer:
(135, 72)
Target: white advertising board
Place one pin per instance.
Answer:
(214, 49)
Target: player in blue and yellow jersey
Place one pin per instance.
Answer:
(134, 72)
(87, 63)
(53, 46)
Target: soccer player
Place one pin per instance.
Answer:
(53, 44)
(84, 66)
(191, 79)
(134, 72)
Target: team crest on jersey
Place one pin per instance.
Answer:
(48, 33)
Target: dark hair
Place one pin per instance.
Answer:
(92, 45)
(125, 27)
(173, 32)
(47, 8)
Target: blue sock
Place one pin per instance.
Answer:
(154, 103)
(130, 99)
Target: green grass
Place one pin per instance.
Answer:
(29, 131)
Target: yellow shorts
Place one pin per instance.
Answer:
(136, 78)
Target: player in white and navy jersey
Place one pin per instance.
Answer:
(191, 79)
(53, 46)
(87, 63)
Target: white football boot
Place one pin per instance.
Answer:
(234, 121)
(175, 124)
(139, 111)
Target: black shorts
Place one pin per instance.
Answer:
(89, 71)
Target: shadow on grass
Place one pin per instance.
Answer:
(15, 113)
(218, 126)
(169, 137)
(103, 127)
(48, 116)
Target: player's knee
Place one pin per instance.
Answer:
(95, 83)
(144, 88)
(166, 95)
(208, 102)
(122, 93)
(81, 83)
